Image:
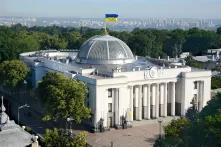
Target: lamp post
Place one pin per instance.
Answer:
(69, 120)
(160, 120)
(25, 88)
(20, 107)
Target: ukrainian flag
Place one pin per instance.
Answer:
(111, 17)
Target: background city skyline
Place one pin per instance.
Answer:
(97, 8)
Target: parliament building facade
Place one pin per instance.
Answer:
(123, 86)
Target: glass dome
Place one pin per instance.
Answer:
(105, 50)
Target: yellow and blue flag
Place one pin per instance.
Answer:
(111, 17)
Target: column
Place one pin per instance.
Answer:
(145, 101)
(148, 102)
(131, 103)
(165, 99)
(136, 103)
(153, 95)
(157, 101)
(116, 106)
(198, 95)
(105, 108)
(161, 86)
(140, 103)
(123, 105)
(173, 99)
(201, 86)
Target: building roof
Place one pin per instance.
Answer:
(15, 137)
(105, 49)
(11, 134)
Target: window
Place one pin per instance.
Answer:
(195, 85)
(109, 93)
(109, 107)
(195, 101)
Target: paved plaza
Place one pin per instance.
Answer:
(143, 134)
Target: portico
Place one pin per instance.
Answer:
(150, 100)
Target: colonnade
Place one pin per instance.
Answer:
(151, 100)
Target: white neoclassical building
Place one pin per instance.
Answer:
(122, 85)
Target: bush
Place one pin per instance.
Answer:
(215, 82)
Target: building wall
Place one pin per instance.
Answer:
(102, 100)
(188, 91)
(121, 84)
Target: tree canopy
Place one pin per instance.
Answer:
(203, 130)
(215, 82)
(58, 138)
(63, 97)
(13, 72)
(143, 42)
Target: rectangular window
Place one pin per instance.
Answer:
(195, 85)
(109, 107)
(109, 93)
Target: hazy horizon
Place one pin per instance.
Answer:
(200, 9)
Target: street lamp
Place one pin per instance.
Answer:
(21, 107)
(160, 120)
(69, 120)
(25, 88)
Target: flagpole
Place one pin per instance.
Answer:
(105, 28)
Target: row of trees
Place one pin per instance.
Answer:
(163, 42)
(144, 42)
(197, 129)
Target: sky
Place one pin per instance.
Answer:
(125, 8)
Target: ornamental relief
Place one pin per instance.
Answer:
(153, 72)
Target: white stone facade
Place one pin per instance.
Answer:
(137, 91)
(138, 98)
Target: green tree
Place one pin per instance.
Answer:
(140, 44)
(58, 138)
(63, 97)
(218, 31)
(176, 127)
(173, 133)
(26, 42)
(205, 130)
(143, 42)
(80, 140)
(192, 113)
(215, 82)
(74, 40)
(198, 41)
(13, 72)
(55, 138)
(193, 63)
(174, 44)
